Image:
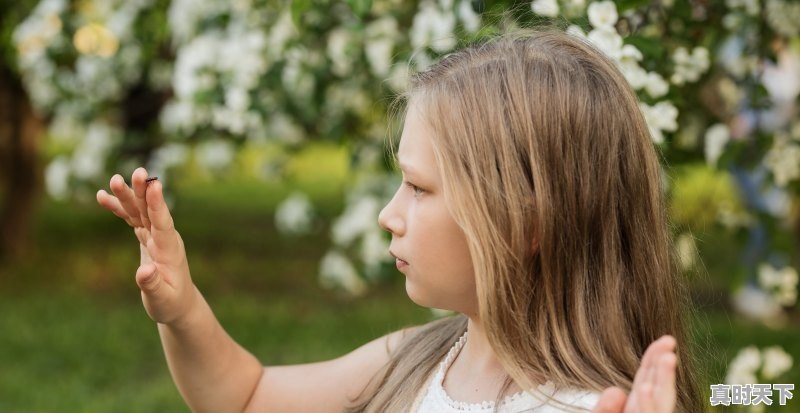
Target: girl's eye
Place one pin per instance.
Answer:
(417, 190)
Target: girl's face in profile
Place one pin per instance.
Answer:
(439, 271)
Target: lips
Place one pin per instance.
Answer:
(399, 260)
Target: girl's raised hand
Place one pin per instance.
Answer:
(168, 293)
(653, 389)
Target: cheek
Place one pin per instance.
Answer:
(443, 265)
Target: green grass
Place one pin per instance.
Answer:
(74, 336)
(71, 353)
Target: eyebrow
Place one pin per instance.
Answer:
(409, 169)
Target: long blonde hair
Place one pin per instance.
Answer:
(549, 169)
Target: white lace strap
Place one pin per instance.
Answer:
(421, 393)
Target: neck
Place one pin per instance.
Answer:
(477, 353)
(476, 372)
(478, 357)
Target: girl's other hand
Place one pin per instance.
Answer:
(168, 293)
(653, 389)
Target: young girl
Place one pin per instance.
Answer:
(531, 205)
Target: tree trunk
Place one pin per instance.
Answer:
(20, 131)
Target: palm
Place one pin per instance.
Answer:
(143, 235)
(163, 273)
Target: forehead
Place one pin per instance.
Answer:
(415, 150)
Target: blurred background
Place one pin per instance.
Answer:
(266, 122)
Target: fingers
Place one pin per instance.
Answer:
(111, 203)
(666, 395)
(663, 345)
(611, 401)
(139, 183)
(126, 199)
(157, 293)
(162, 227)
(148, 279)
(653, 389)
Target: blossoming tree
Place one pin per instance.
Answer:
(718, 83)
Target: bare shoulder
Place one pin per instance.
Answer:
(327, 386)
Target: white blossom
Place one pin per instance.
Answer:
(732, 57)
(689, 67)
(628, 63)
(548, 8)
(294, 215)
(782, 81)
(234, 121)
(733, 219)
(374, 250)
(296, 78)
(339, 51)
(56, 177)
(379, 55)
(776, 362)
(242, 57)
(783, 160)
(717, 136)
(468, 17)
(398, 77)
(576, 30)
(358, 217)
(687, 250)
(215, 154)
(772, 362)
(89, 157)
(777, 202)
(33, 35)
(283, 128)
(383, 27)
(661, 117)
(65, 128)
(750, 7)
(178, 116)
(742, 369)
(192, 59)
(603, 14)
(782, 283)
(282, 31)
(756, 304)
(167, 156)
(608, 41)
(784, 17)
(655, 85)
(574, 8)
(630, 51)
(237, 99)
(337, 271)
(185, 16)
(433, 27)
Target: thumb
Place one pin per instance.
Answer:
(148, 279)
(611, 401)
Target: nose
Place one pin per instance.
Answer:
(390, 220)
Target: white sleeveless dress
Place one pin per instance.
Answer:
(434, 399)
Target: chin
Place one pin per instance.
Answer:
(415, 295)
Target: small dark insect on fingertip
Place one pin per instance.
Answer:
(151, 179)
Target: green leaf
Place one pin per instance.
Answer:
(650, 48)
(624, 5)
(298, 8)
(360, 7)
